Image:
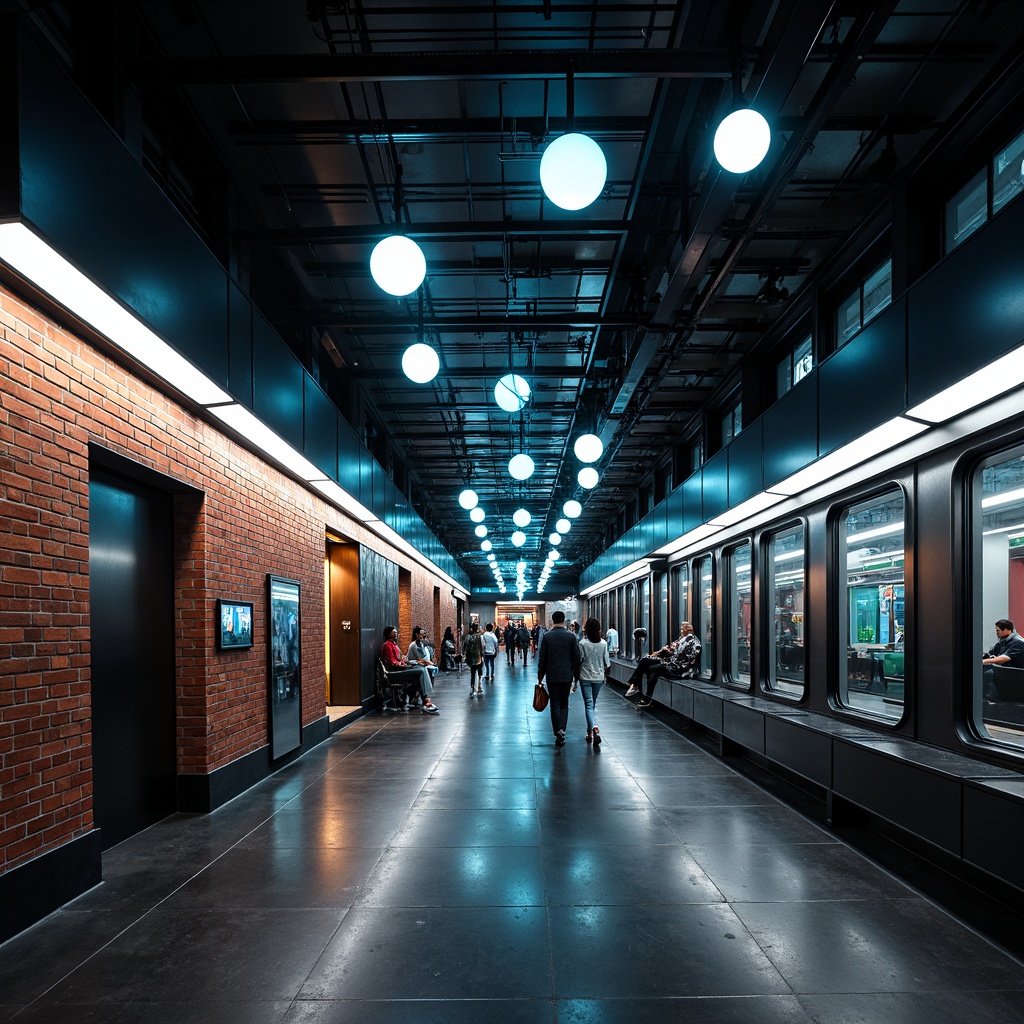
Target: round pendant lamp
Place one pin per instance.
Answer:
(573, 171)
(486, 545)
(554, 539)
(742, 140)
(572, 509)
(398, 265)
(512, 392)
(588, 448)
(519, 538)
(481, 530)
(587, 477)
(420, 363)
(521, 517)
(563, 526)
(468, 498)
(521, 467)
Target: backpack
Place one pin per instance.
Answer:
(472, 649)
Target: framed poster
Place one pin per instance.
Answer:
(284, 672)
(234, 625)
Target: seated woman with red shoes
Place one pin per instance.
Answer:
(400, 669)
(678, 660)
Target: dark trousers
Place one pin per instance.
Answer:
(559, 705)
(489, 665)
(654, 669)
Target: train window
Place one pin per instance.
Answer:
(857, 310)
(999, 509)
(967, 210)
(871, 601)
(705, 614)
(631, 623)
(661, 630)
(738, 613)
(643, 614)
(785, 587)
(680, 596)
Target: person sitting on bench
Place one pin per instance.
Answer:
(677, 661)
(1007, 650)
(398, 667)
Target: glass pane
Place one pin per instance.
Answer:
(662, 638)
(967, 210)
(803, 360)
(999, 593)
(871, 600)
(786, 656)
(1008, 173)
(643, 616)
(680, 593)
(848, 319)
(739, 613)
(784, 376)
(705, 581)
(878, 291)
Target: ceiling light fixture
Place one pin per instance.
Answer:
(743, 136)
(481, 530)
(563, 526)
(420, 363)
(512, 392)
(587, 477)
(573, 169)
(478, 515)
(588, 448)
(572, 509)
(397, 263)
(521, 466)
(468, 498)
(521, 517)
(519, 538)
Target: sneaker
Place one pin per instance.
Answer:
(597, 737)
(644, 702)
(479, 691)
(590, 736)
(632, 691)
(431, 709)
(560, 738)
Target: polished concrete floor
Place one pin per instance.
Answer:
(459, 869)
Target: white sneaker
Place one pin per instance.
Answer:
(632, 691)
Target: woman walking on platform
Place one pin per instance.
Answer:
(595, 664)
(473, 652)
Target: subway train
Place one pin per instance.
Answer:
(842, 633)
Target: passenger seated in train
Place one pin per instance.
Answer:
(399, 668)
(1007, 650)
(676, 660)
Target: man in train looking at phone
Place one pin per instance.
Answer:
(1008, 650)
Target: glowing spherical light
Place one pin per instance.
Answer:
(481, 530)
(554, 555)
(486, 545)
(742, 141)
(519, 538)
(420, 363)
(555, 539)
(572, 508)
(587, 477)
(468, 499)
(478, 515)
(521, 517)
(520, 567)
(511, 392)
(588, 448)
(563, 526)
(573, 171)
(521, 467)
(398, 265)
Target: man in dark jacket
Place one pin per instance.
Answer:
(559, 660)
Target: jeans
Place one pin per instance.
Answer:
(590, 688)
(559, 705)
(489, 665)
(474, 675)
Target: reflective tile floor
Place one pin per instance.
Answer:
(459, 869)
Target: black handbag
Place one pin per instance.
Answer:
(540, 698)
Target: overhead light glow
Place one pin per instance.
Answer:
(521, 467)
(554, 539)
(468, 498)
(398, 265)
(486, 545)
(481, 530)
(521, 517)
(572, 509)
(742, 140)
(478, 515)
(573, 171)
(512, 392)
(563, 526)
(519, 538)
(588, 448)
(587, 477)
(420, 363)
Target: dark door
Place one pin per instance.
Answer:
(132, 617)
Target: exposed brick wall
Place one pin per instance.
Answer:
(58, 394)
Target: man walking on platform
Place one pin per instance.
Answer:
(558, 660)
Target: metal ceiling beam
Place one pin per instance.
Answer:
(483, 65)
(477, 231)
(567, 321)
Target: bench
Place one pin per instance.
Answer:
(391, 692)
(1009, 682)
